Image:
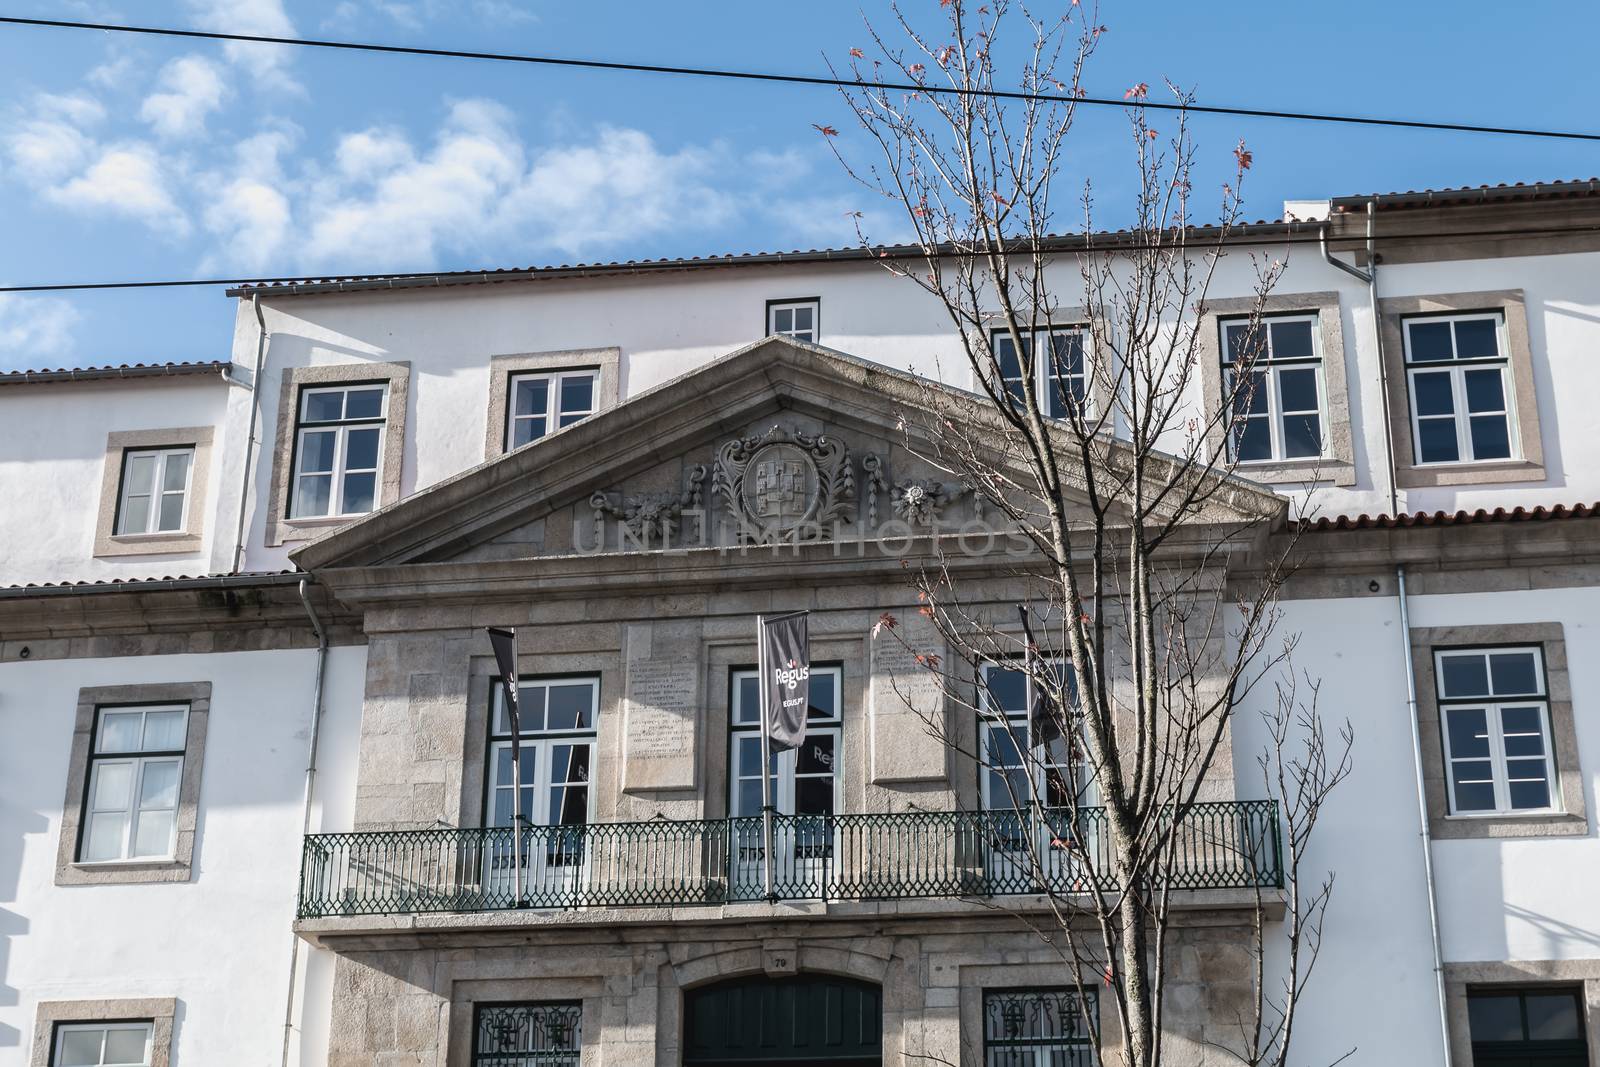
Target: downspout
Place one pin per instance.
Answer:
(1424, 832)
(250, 438)
(310, 791)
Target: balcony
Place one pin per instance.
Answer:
(903, 855)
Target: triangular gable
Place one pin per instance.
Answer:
(776, 396)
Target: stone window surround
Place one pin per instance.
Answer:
(1339, 467)
(197, 695)
(281, 528)
(501, 369)
(1097, 378)
(1459, 977)
(107, 542)
(1512, 303)
(467, 993)
(160, 1011)
(1573, 819)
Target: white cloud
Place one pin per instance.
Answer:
(368, 155)
(32, 327)
(44, 151)
(81, 109)
(126, 179)
(268, 63)
(415, 15)
(193, 87)
(251, 211)
(114, 74)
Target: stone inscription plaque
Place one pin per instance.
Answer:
(661, 699)
(904, 695)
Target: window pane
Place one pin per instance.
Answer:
(1254, 397)
(1553, 1017)
(163, 731)
(748, 698)
(783, 320)
(525, 430)
(104, 840)
(316, 451)
(1464, 675)
(1429, 341)
(1066, 351)
(570, 706)
(1244, 344)
(815, 755)
(824, 696)
(1302, 436)
(1484, 391)
(364, 404)
(80, 1048)
(1436, 441)
(171, 514)
(141, 473)
(533, 396)
(1432, 393)
(153, 834)
(361, 449)
(1003, 747)
(805, 318)
(1476, 339)
(1291, 340)
(813, 796)
(313, 494)
(359, 492)
(1252, 440)
(1469, 733)
(747, 800)
(135, 515)
(1515, 673)
(577, 393)
(113, 785)
(119, 731)
(1529, 794)
(1491, 437)
(1006, 353)
(158, 786)
(570, 417)
(1298, 389)
(1495, 1017)
(176, 474)
(325, 406)
(1008, 689)
(1476, 795)
(125, 1045)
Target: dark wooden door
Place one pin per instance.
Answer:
(799, 1021)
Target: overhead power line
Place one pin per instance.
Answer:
(803, 79)
(1108, 243)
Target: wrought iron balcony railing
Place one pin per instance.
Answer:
(1226, 845)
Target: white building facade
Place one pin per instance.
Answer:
(253, 807)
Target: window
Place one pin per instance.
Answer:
(1522, 1027)
(155, 491)
(1009, 779)
(543, 403)
(1063, 385)
(1278, 411)
(804, 781)
(557, 717)
(135, 769)
(1460, 383)
(1495, 712)
(93, 1044)
(522, 1035)
(338, 449)
(1038, 1028)
(799, 319)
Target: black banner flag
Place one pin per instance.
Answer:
(786, 681)
(505, 655)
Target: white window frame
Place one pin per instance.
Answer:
(58, 1051)
(541, 742)
(139, 762)
(1269, 365)
(152, 526)
(783, 788)
(810, 336)
(1457, 369)
(1492, 706)
(990, 717)
(555, 418)
(1043, 386)
(342, 428)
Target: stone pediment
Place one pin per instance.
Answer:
(779, 441)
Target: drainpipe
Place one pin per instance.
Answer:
(1424, 833)
(310, 790)
(250, 439)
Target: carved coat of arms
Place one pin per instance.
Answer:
(786, 485)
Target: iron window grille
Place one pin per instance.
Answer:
(528, 1035)
(1272, 371)
(1039, 1027)
(1460, 384)
(1494, 712)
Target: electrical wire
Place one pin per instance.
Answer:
(1109, 243)
(802, 79)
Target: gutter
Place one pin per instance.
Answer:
(310, 793)
(150, 585)
(1424, 831)
(250, 437)
(95, 374)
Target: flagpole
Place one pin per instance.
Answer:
(766, 756)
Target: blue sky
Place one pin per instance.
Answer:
(125, 157)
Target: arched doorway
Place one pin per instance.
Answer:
(810, 1019)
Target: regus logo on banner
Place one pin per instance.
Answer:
(791, 676)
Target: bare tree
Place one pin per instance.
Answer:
(1097, 449)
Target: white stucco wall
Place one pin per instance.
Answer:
(219, 943)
